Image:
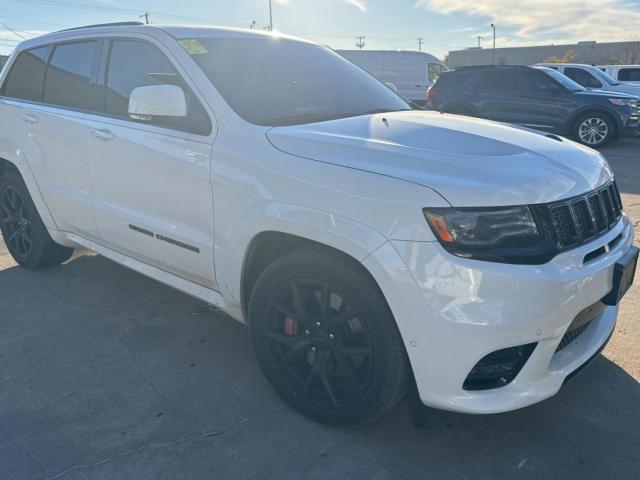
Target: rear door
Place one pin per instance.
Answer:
(493, 93)
(52, 126)
(153, 198)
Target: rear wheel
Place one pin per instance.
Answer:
(594, 129)
(326, 339)
(24, 233)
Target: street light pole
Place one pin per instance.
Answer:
(270, 18)
(493, 52)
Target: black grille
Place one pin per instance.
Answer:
(581, 219)
(571, 335)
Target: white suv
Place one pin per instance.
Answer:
(593, 78)
(365, 245)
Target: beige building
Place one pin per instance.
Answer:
(582, 52)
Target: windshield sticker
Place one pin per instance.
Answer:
(193, 46)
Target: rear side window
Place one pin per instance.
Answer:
(499, 80)
(450, 80)
(629, 75)
(26, 77)
(134, 64)
(582, 77)
(68, 79)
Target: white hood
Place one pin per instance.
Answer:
(470, 162)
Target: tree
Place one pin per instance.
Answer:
(568, 57)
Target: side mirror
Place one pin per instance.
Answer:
(392, 86)
(157, 100)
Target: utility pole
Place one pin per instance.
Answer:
(493, 52)
(270, 17)
(145, 15)
(420, 42)
(479, 41)
(360, 42)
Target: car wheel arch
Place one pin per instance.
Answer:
(267, 246)
(572, 123)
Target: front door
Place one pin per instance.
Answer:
(153, 198)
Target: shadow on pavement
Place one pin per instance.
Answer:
(107, 374)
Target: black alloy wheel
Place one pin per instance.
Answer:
(326, 338)
(321, 348)
(16, 223)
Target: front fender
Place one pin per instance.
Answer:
(344, 234)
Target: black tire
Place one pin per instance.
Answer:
(22, 229)
(352, 344)
(594, 129)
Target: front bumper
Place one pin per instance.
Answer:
(631, 125)
(458, 311)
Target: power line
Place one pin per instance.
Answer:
(12, 30)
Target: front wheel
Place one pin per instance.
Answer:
(594, 129)
(326, 340)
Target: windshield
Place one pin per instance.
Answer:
(565, 81)
(605, 77)
(272, 81)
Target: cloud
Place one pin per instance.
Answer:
(359, 4)
(571, 19)
(282, 2)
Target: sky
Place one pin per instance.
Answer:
(386, 24)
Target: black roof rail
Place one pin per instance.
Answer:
(113, 24)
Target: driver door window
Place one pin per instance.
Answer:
(582, 77)
(135, 64)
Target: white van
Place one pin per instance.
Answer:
(594, 78)
(412, 73)
(623, 73)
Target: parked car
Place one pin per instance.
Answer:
(592, 78)
(366, 245)
(412, 73)
(539, 98)
(623, 73)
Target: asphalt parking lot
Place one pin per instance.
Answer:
(105, 374)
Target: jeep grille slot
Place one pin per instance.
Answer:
(581, 219)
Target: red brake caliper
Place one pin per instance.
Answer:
(290, 326)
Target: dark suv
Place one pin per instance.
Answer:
(539, 98)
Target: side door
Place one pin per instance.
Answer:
(52, 128)
(153, 198)
(541, 102)
(493, 93)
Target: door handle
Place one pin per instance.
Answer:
(103, 134)
(29, 117)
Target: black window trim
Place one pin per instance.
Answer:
(103, 72)
(98, 77)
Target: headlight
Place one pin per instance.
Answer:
(505, 234)
(625, 103)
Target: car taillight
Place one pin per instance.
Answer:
(429, 94)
